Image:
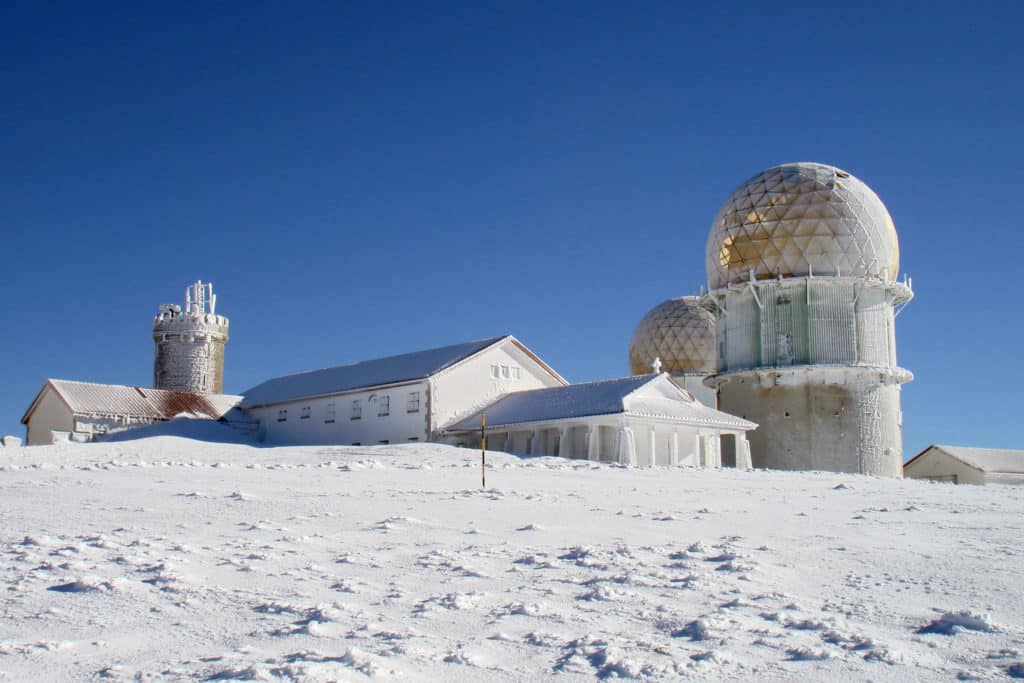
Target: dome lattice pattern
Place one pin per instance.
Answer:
(801, 219)
(680, 333)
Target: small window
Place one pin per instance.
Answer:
(357, 443)
(304, 415)
(383, 441)
(504, 372)
(383, 406)
(329, 417)
(282, 415)
(517, 373)
(495, 372)
(414, 402)
(414, 438)
(357, 410)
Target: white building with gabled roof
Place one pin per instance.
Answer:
(408, 397)
(65, 409)
(964, 465)
(639, 420)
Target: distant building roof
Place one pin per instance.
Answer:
(88, 398)
(985, 459)
(603, 397)
(370, 373)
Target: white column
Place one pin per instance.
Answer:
(743, 460)
(537, 443)
(563, 443)
(627, 446)
(594, 442)
(654, 446)
(715, 450)
(673, 449)
(698, 458)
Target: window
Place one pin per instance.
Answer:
(414, 402)
(304, 415)
(383, 406)
(494, 372)
(282, 415)
(504, 372)
(357, 443)
(383, 441)
(414, 438)
(330, 413)
(517, 373)
(357, 409)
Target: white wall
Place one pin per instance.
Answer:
(398, 426)
(467, 386)
(938, 465)
(845, 419)
(51, 413)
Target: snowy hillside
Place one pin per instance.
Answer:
(170, 558)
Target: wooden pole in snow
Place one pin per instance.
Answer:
(483, 452)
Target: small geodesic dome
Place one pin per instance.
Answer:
(801, 219)
(680, 333)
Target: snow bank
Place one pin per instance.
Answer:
(184, 428)
(183, 559)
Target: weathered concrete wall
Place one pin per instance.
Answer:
(813, 362)
(838, 420)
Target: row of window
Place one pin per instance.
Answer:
(383, 404)
(385, 441)
(506, 372)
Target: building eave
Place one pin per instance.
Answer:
(533, 424)
(346, 392)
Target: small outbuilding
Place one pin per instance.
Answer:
(639, 420)
(964, 465)
(64, 410)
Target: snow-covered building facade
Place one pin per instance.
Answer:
(640, 420)
(409, 397)
(802, 262)
(64, 410)
(963, 465)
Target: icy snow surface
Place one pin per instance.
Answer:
(168, 558)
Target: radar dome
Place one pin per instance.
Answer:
(680, 333)
(801, 219)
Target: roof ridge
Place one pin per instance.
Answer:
(489, 340)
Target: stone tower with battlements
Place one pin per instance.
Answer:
(190, 343)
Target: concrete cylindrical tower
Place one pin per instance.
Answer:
(190, 344)
(802, 261)
(680, 335)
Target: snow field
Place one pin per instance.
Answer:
(167, 558)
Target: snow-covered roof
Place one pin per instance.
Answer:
(573, 400)
(603, 397)
(88, 398)
(370, 373)
(986, 459)
(691, 412)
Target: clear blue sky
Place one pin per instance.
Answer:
(362, 179)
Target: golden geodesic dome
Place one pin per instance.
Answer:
(801, 219)
(680, 333)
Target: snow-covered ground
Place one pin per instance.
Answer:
(172, 558)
